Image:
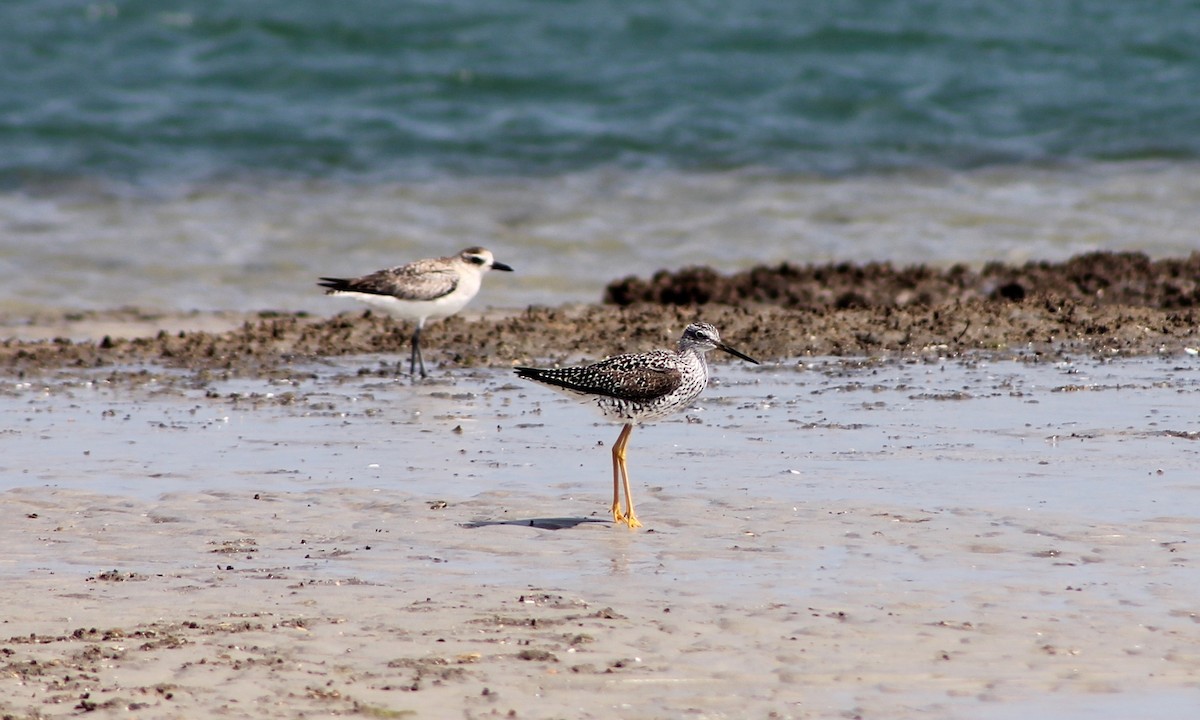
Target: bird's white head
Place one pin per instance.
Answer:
(482, 259)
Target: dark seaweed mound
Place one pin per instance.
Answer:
(1100, 279)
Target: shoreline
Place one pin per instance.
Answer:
(1103, 304)
(270, 343)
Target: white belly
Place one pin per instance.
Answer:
(419, 310)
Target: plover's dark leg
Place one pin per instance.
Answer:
(416, 358)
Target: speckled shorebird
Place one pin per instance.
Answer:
(634, 388)
(421, 290)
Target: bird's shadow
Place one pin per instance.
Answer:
(558, 523)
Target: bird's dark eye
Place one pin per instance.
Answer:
(477, 259)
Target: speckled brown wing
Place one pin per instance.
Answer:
(419, 280)
(626, 377)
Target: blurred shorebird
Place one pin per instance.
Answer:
(634, 388)
(421, 290)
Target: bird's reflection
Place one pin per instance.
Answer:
(559, 523)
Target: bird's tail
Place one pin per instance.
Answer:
(335, 284)
(559, 378)
(530, 373)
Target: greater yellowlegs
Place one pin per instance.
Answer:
(634, 388)
(421, 290)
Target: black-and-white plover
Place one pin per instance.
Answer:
(422, 290)
(634, 388)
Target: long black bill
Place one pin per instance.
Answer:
(501, 266)
(735, 353)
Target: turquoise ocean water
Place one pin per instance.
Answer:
(221, 154)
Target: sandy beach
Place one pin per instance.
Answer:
(253, 516)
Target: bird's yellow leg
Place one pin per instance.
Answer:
(619, 455)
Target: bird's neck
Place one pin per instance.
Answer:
(693, 356)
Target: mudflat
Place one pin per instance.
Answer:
(985, 507)
(1105, 303)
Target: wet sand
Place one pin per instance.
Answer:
(952, 520)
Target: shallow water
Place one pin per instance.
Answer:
(1111, 441)
(1033, 522)
(248, 247)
